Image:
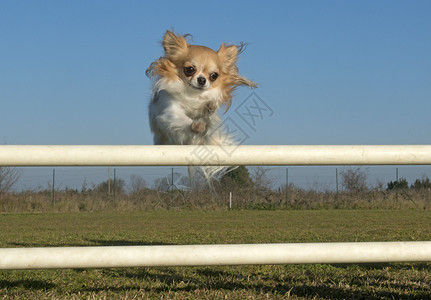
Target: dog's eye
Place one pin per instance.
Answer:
(213, 76)
(189, 71)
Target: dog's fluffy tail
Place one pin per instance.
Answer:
(207, 176)
(212, 174)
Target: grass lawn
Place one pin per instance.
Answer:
(366, 281)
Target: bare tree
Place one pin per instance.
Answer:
(260, 178)
(161, 184)
(354, 179)
(137, 184)
(8, 177)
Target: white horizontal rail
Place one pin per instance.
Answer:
(199, 255)
(213, 155)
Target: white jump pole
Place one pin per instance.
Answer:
(196, 255)
(185, 155)
(199, 255)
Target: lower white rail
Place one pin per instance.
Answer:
(199, 255)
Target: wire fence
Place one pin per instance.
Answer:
(307, 178)
(146, 188)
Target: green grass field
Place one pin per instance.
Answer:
(363, 281)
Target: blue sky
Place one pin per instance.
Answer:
(333, 72)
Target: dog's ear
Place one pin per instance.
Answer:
(241, 80)
(228, 54)
(174, 44)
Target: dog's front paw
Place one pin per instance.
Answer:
(210, 108)
(198, 126)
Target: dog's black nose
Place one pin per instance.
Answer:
(201, 81)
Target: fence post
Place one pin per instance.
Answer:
(115, 184)
(230, 191)
(336, 185)
(287, 187)
(109, 181)
(397, 184)
(53, 187)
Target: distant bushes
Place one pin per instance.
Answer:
(419, 184)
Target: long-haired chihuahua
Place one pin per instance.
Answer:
(190, 84)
